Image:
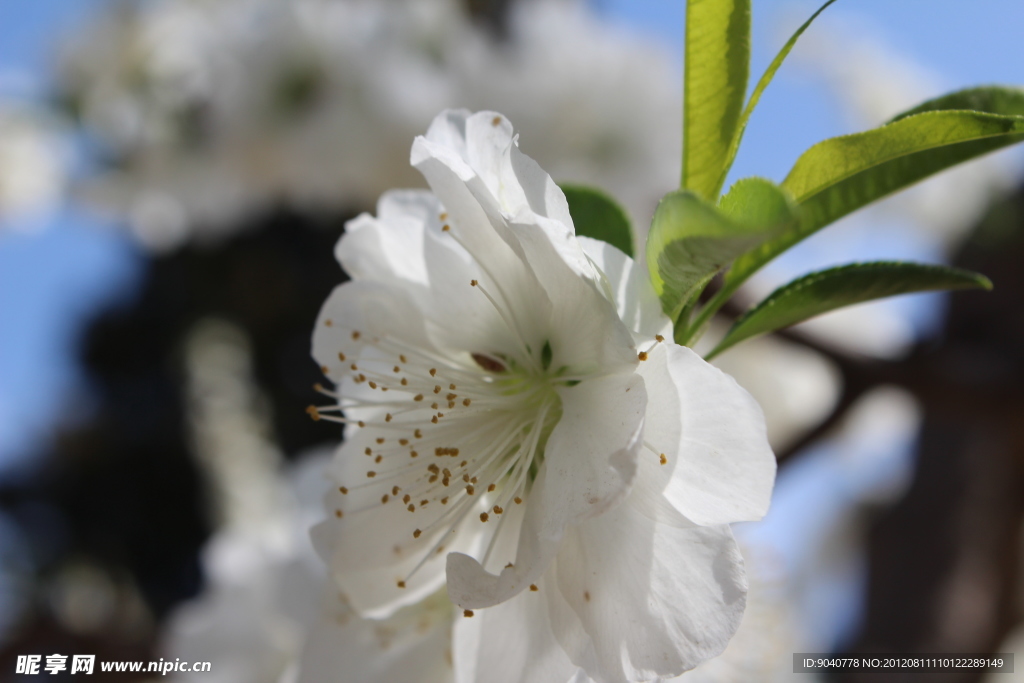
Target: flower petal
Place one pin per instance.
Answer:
(354, 314)
(514, 221)
(585, 332)
(511, 643)
(409, 647)
(371, 546)
(589, 466)
(720, 468)
(646, 595)
(389, 247)
(629, 287)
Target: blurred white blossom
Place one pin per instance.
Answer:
(32, 163)
(211, 110)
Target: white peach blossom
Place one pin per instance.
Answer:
(520, 427)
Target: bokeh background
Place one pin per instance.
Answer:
(174, 175)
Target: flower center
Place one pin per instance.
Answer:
(453, 438)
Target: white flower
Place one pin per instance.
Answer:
(32, 160)
(518, 422)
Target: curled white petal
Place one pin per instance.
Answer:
(712, 435)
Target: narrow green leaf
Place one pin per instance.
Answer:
(992, 99)
(595, 214)
(827, 290)
(690, 240)
(843, 174)
(716, 67)
(759, 89)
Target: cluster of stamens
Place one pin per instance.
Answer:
(459, 436)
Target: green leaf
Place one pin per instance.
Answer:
(759, 203)
(827, 290)
(595, 214)
(993, 99)
(716, 66)
(690, 240)
(843, 174)
(755, 96)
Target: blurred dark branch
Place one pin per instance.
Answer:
(492, 15)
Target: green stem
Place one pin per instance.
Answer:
(693, 331)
